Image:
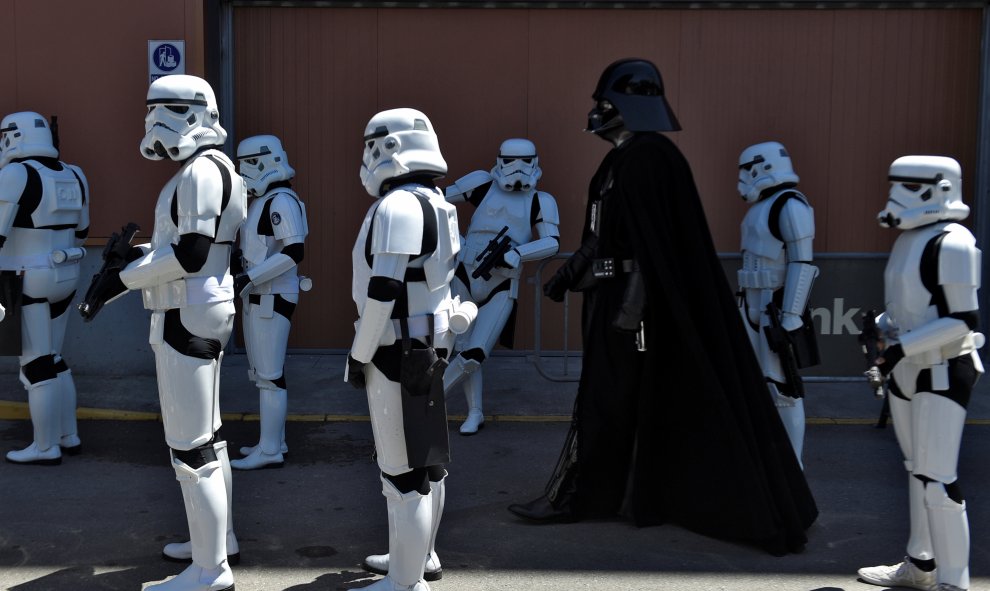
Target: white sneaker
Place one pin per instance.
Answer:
(948, 587)
(196, 578)
(904, 574)
(32, 455)
(248, 449)
(70, 444)
(387, 584)
(475, 420)
(182, 551)
(378, 564)
(258, 459)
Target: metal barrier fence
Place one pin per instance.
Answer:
(538, 359)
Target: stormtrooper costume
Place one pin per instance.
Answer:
(271, 249)
(403, 262)
(44, 220)
(777, 234)
(184, 278)
(930, 357)
(504, 198)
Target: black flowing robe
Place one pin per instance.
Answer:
(685, 432)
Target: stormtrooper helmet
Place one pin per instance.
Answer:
(518, 167)
(23, 135)
(182, 118)
(764, 166)
(630, 94)
(261, 162)
(399, 143)
(923, 190)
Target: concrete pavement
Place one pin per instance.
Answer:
(99, 520)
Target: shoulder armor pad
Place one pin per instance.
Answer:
(200, 189)
(398, 225)
(797, 219)
(288, 215)
(959, 258)
(468, 183)
(548, 208)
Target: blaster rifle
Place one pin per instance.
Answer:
(869, 340)
(780, 343)
(105, 283)
(493, 255)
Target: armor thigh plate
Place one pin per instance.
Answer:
(385, 407)
(189, 397)
(266, 339)
(937, 425)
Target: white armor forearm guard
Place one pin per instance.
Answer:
(797, 287)
(270, 268)
(374, 318)
(155, 268)
(940, 333)
(538, 249)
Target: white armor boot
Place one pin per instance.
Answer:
(791, 411)
(204, 494)
(378, 563)
(472, 392)
(409, 539)
(182, 551)
(69, 442)
(268, 452)
(45, 405)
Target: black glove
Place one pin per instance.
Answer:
(556, 287)
(573, 271)
(241, 281)
(891, 355)
(355, 373)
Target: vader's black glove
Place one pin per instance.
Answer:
(573, 272)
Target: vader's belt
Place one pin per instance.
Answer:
(606, 268)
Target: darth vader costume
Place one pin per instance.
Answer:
(673, 422)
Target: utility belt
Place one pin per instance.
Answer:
(420, 326)
(761, 279)
(610, 267)
(62, 256)
(188, 291)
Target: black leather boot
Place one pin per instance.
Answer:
(541, 510)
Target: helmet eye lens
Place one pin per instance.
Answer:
(251, 161)
(527, 160)
(180, 109)
(913, 187)
(508, 161)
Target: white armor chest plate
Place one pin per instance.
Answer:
(908, 303)
(497, 210)
(256, 247)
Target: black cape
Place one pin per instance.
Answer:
(685, 432)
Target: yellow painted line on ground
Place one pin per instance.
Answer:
(13, 411)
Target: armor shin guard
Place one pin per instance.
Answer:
(70, 435)
(791, 411)
(204, 494)
(408, 546)
(950, 535)
(920, 541)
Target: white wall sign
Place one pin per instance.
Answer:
(164, 58)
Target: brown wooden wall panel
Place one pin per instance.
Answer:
(846, 90)
(90, 68)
